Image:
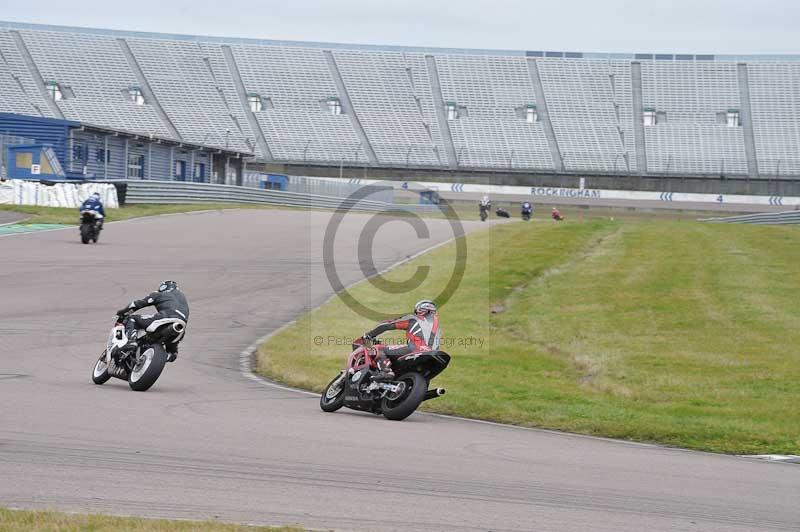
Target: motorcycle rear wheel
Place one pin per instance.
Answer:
(407, 403)
(86, 233)
(148, 368)
(332, 400)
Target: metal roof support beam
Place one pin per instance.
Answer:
(147, 90)
(638, 117)
(35, 74)
(233, 68)
(348, 108)
(746, 118)
(544, 115)
(438, 101)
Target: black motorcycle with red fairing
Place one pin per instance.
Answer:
(355, 388)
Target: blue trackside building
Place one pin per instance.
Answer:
(64, 149)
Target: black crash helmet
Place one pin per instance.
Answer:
(167, 286)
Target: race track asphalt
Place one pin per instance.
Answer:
(7, 217)
(208, 442)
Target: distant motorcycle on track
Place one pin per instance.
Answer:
(142, 366)
(527, 210)
(484, 211)
(91, 224)
(502, 213)
(355, 388)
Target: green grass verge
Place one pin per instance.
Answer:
(25, 520)
(674, 332)
(61, 215)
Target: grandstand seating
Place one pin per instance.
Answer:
(590, 106)
(19, 91)
(184, 86)
(297, 83)
(775, 102)
(492, 91)
(395, 101)
(692, 139)
(224, 80)
(392, 96)
(96, 71)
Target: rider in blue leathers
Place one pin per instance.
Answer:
(527, 210)
(93, 203)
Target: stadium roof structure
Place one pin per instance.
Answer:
(420, 49)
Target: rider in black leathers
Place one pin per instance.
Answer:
(170, 304)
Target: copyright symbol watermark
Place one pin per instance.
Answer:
(357, 201)
(319, 340)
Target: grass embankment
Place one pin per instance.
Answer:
(69, 215)
(674, 332)
(24, 520)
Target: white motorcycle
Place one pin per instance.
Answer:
(140, 367)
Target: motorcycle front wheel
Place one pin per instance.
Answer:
(100, 373)
(332, 398)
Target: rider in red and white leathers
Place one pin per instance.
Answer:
(422, 334)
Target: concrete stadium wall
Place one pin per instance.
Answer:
(594, 196)
(685, 184)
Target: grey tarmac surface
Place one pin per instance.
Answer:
(207, 442)
(7, 217)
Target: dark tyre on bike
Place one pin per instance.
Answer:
(332, 398)
(148, 367)
(86, 233)
(100, 371)
(408, 399)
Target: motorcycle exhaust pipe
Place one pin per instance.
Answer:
(433, 394)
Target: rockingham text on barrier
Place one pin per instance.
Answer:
(565, 192)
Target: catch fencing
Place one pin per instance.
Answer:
(178, 192)
(765, 218)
